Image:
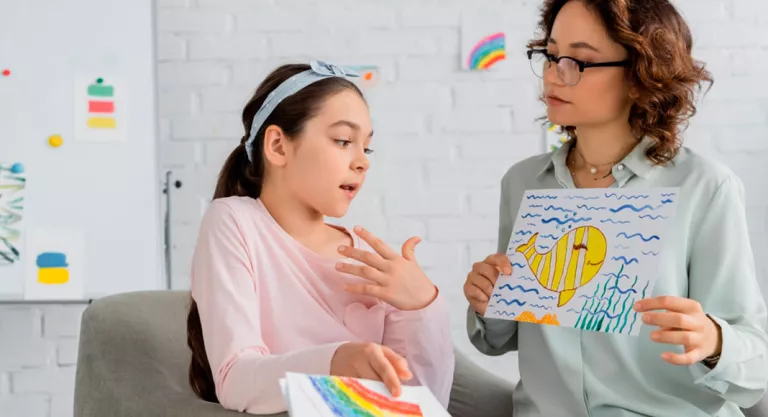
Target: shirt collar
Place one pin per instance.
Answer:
(635, 161)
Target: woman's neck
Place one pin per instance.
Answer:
(603, 145)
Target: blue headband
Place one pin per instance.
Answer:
(319, 71)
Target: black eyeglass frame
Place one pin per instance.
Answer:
(582, 65)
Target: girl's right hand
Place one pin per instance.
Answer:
(371, 361)
(482, 280)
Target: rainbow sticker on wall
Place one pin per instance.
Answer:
(487, 52)
(100, 109)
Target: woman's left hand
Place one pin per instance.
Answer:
(395, 279)
(683, 322)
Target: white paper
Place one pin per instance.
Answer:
(100, 109)
(12, 191)
(307, 399)
(54, 264)
(624, 232)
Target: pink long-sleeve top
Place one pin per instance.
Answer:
(269, 305)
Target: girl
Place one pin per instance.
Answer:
(270, 292)
(619, 75)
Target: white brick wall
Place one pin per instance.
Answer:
(443, 137)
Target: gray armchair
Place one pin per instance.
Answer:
(133, 361)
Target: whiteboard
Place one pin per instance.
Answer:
(83, 70)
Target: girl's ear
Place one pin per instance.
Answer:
(274, 146)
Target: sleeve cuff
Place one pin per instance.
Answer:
(715, 378)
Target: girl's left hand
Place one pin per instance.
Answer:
(395, 279)
(682, 323)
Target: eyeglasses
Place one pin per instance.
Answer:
(568, 69)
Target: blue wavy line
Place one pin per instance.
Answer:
(528, 278)
(540, 306)
(525, 216)
(535, 206)
(553, 208)
(518, 240)
(578, 197)
(562, 222)
(586, 207)
(523, 232)
(496, 295)
(547, 297)
(650, 252)
(572, 310)
(509, 303)
(631, 197)
(611, 274)
(667, 201)
(652, 217)
(518, 265)
(616, 287)
(545, 247)
(531, 224)
(520, 287)
(638, 235)
(668, 194)
(504, 313)
(624, 259)
(631, 207)
(604, 311)
(614, 221)
(542, 197)
(594, 297)
(549, 236)
(621, 247)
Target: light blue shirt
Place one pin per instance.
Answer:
(707, 257)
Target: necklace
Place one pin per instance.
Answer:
(593, 167)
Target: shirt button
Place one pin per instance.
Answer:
(620, 167)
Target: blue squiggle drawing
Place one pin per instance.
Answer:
(541, 197)
(562, 222)
(541, 306)
(528, 278)
(553, 208)
(531, 224)
(638, 235)
(667, 201)
(624, 259)
(518, 241)
(520, 287)
(524, 232)
(611, 274)
(668, 194)
(650, 252)
(652, 217)
(604, 311)
(543, 247)
(547, 297)
(594, 297)
(631, 207)
(549, 236)
(574, 311)
(518, 265)
(631, 197)
(504, 313)
(535, 206)
(589, 208)
(509, 303)
(497, 295)
(621, 247)
(616, 287)
(528, 215)
(614, 221)
(578, 197)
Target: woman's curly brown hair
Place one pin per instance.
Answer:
(661, 67)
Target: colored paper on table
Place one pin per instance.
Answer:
(100, 109)
(332, 396)
(54, 262)
(581, 258)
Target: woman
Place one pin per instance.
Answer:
(620, 76)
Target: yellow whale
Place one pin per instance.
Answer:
(571, 263)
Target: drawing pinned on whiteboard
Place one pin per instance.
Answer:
(52, 268)
(56, 270)
(12, 186)
(100, 109)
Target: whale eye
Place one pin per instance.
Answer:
(578, 246)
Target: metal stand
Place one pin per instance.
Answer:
(167, 226)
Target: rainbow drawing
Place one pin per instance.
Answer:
(101, 102)
(487, 52)
(347, 397)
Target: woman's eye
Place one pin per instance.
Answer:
(368, 151)
(343, 142)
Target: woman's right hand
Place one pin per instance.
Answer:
(371, 361)
(482, 280)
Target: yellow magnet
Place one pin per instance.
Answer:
(55, 141)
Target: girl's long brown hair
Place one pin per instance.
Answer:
(661, 68)
(241, 177)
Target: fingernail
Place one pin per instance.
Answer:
(342, 248)
(338, 265)
(358, 229)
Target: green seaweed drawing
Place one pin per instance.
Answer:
(598, 313)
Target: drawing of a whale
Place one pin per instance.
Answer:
(571, 262)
